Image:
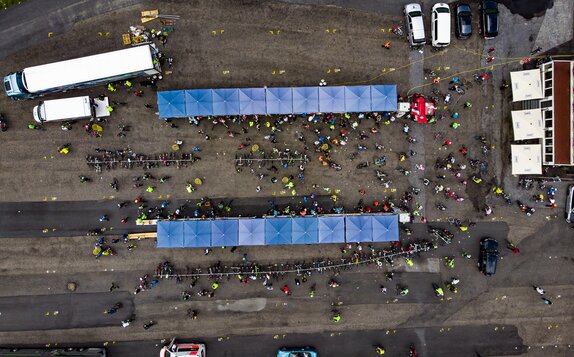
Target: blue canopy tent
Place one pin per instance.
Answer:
(251, 231)
(171, 104)
(169, 234)
(357, 99)
(359, 229)
(279, 100)
(196, 234)
(224, 232)
(278, 231)
(331, 229)
(226, 101)
(252, 101)
(385, 228)
(305, 99)
(305, 231)
(198, 102)
(384, 98)
(332, 99)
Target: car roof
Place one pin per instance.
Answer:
(440, 5)
(199, 347)
(412, 7)
(489, 4)
(490, 243)
(463, 7)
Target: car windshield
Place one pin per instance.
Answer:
(443, 9)
(491, 11)
(415, 14)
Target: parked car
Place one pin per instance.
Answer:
(570, 205)
(440, 25)
(463, 21)
(297, 352)
(489, 19)
(488, 256)
(183, 350)
(415, 25)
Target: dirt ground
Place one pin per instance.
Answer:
(252, 42)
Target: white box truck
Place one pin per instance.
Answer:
(70, 109)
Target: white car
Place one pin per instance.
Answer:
(415, 25)
(440, 25)
(183, 350)
(570, 205)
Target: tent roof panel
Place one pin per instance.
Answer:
(169, 234)
(526, 159)
(305, 99)
(224, 232)
(527, 124)
(357, 99)
(171, 104)
(385, 228)
(196, 234)
(279, 100)
(252, 101)
(278, 231)
(332, 99)
(251, 231)
(226, 101)
(359, 228)
(384, 98)
(331, 229)
(198, 102)
(526, 85)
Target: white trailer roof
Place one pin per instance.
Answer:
(527, 124)
(68, 108)
(526, 159)
(78, 70)
(526, 85)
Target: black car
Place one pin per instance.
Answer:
(488, 256)
(463, 21)
(489, 19)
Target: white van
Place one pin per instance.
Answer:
(415, 25)
(440, 25)
(70, 109)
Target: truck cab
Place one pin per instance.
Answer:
(14, 86)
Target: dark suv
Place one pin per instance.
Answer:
(488, 256)
(489, 19)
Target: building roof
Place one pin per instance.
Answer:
(563, 112)
(527, 124)
(526, 159)
(526, 85)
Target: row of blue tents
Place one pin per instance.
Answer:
(277, 230)
(291, 100)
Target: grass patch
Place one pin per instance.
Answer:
(4, 4)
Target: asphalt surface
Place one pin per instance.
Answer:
(74, 218)
(31, 22)
(429, 342)
(525, 8)
(64, 311)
